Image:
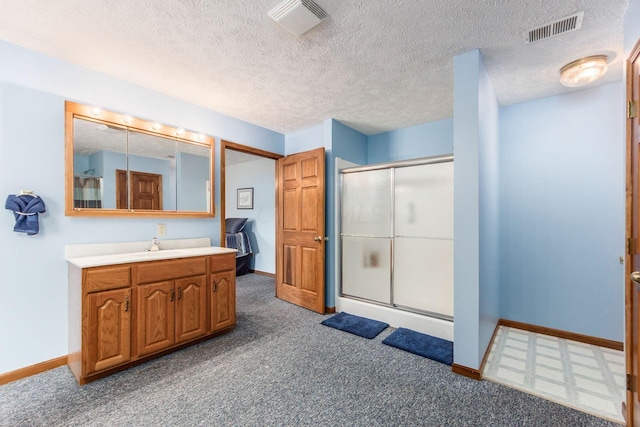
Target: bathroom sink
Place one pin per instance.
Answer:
(126, 257)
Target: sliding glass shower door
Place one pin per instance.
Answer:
(397, 235)
(366, 235)
(423, 238)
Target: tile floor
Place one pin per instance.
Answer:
(582, 376)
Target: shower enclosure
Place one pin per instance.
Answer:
(397, 235)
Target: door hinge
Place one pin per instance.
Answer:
(632, 111)
(630, 383)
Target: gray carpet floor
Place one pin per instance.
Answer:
(280, 367)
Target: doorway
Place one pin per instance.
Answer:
(249, 173)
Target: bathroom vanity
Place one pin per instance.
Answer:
(126, 308)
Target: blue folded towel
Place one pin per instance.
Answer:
(25, 208)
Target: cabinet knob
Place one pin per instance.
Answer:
(126, 304)
(215, 286)
(172, 294)
(179, 293)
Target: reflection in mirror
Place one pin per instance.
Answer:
(99, 150)
(192, 171)
(152, 172)
(122, 166)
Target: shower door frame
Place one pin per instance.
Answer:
(388, 165)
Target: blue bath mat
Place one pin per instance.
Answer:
(421, 344)
(356, 325)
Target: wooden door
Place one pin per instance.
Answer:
(145, 191)
(121, 189)
(191, 307)
(300, 230)
(223, 300)
(109, 324)
(155, 314)
(632, 264)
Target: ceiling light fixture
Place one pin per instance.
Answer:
(298, 16)
(583, 71)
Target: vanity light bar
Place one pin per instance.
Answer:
(97, 113)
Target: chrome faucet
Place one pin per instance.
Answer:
(155, 245)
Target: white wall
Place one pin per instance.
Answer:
(259, 174)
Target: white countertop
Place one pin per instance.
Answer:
(95, 259)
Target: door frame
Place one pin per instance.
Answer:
(228, 145)
(630, 345)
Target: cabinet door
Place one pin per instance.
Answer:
(155, 317)
(191, 307)
(223, 300)
(109, 329)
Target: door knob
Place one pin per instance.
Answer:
(317, 239)
(635, 276)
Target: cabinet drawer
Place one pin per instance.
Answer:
(155, 271)
(223, 262)
(105, 278)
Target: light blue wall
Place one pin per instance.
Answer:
(192, 174)
(489, 193)
(261, 225)
(105, 163)
(562, 212)
(33, 89)
(304, 140)
(466, 200)
(351, 145)
(424, 140)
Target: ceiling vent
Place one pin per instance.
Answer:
(298, 16)
(555, 28)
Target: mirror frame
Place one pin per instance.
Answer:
(84, 112)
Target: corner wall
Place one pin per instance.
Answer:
(475, 137)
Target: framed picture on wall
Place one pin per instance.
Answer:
(245, 198)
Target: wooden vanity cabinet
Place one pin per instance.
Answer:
(171, 312)
(100, 304)
(109, 329)
(222, 292)
(123, 314)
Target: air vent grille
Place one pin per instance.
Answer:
(298, 16)
(321, 14)
(555, 28)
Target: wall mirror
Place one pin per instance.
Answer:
(119, 165)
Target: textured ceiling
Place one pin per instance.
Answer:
(375, 65)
